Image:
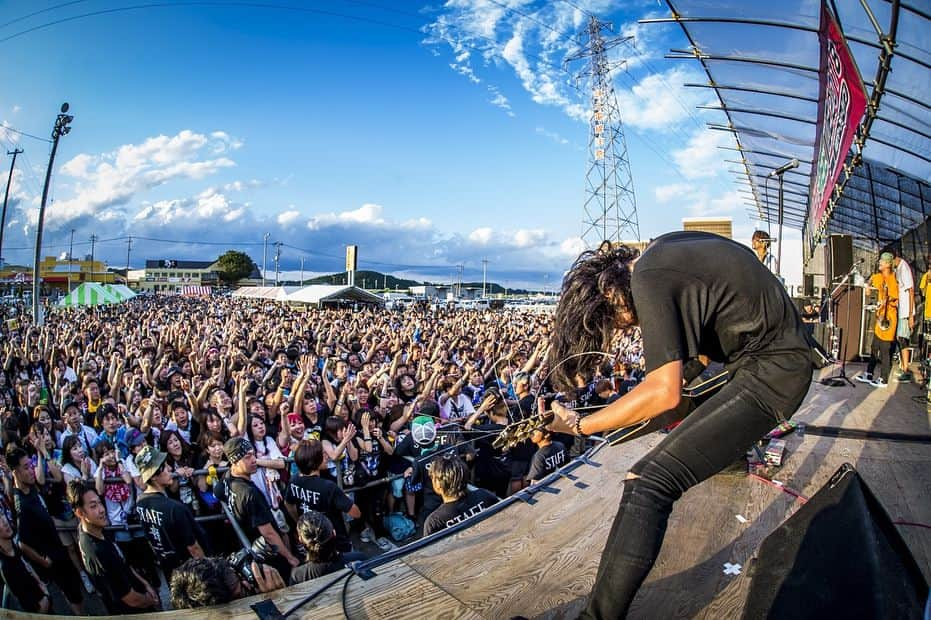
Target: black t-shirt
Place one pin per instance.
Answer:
(247, 504)
(316, 493)
(35, 525)
(169, 527)
(20, 579)
(525, 449)
(546, 460)
(109, 571)
(313, 570)
(449, 514)
(698, 293)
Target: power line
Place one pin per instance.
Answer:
(46, 10)
(23, 133)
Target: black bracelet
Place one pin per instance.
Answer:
(577, 427)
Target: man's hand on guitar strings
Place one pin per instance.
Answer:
(563, 419)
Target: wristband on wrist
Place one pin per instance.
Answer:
(577, 427)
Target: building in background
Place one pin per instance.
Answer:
(169, 276)
(723, 226)
(60, 275)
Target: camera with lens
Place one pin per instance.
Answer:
(261, 552)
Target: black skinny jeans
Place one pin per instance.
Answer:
(717, 433)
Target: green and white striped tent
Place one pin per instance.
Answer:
(93, 294)
(120, 291)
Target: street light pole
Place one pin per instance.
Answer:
(61, 128)
(70, 259)
(6, 197)
(265, 257)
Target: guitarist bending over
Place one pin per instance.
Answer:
(692, 294)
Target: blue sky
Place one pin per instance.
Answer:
(430, 136)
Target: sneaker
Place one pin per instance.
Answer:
(88, 586)
(864, 377)
(879, 382)
(384, 544)
(367, 535)
(904, 377)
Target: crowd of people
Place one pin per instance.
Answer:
(228, 446)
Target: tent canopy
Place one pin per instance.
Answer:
(314, 294)
(761, 64)
(90, 294)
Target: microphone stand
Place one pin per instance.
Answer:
(841, 378)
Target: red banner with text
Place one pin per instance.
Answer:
(841, 104)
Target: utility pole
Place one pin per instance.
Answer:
(484, 276)
(61, 128)
(265, 257)
(129, 248)
(93, 243)
(459, 285)
(70, 259)
(6, 197)
(302, 271)
(277, 260)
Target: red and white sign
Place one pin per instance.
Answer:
(841, 104)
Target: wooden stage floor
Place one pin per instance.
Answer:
(540, 560)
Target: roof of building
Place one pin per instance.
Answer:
(179, 264)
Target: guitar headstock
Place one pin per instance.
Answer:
(514, 434)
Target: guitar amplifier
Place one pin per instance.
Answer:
(849, 318)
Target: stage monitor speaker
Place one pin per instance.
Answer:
(838, 556)
(839, 257)
(848, 317)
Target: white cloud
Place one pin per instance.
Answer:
(665, 193)
(481, 236)
(16, 109)
(701, 157)
(526, 238)
(285, 218)
(552, 135)
(111, 180)
(659, 101)
(572, 247)
(499, 100)
(368, 214)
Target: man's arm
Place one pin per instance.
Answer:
(272, 536)
(660, 391)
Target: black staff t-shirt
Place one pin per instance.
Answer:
(316, 493)
(546, 460)
(698, 293)
(246, 502)
(169, 527)
(451, 513)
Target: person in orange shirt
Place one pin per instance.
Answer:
(887, 288)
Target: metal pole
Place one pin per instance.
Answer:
(264, 258)
(6, 197)
(70, 259)
(779, 239)
(277, 260)
(93, 245)
(302, 271)
(484, 276)
(61, 128)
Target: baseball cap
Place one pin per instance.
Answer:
(148, 461)
(886, 257)
(134, 438)
(423, 430)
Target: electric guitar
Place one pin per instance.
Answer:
(518, 432)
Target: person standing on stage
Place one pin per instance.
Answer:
(903, 332)
(691, 293)
(886, 324)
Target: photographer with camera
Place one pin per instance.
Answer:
(248, 505)
(203, 582)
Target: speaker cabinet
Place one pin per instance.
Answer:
(848, 316)
(839, 256)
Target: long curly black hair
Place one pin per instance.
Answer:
(587, 315)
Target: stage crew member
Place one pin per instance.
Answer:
(691, 293)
